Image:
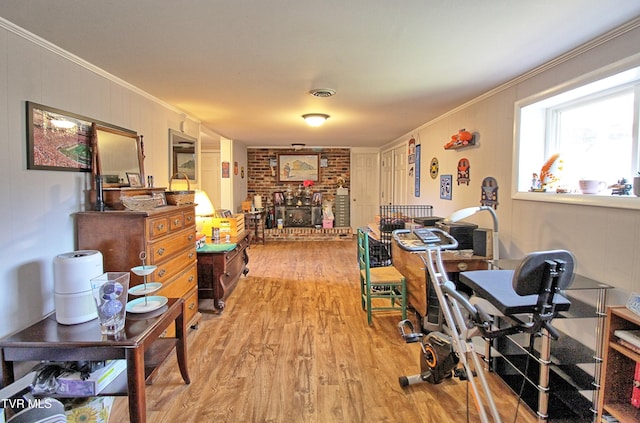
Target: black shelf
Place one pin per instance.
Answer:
(565, 402)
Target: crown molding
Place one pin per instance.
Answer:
(41, 42)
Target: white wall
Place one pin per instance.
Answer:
(36, 206)
(605, 241)
(233, 189)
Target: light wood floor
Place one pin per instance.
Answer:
(293, 345)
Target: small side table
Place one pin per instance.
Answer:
(255, 223)
(141, 345)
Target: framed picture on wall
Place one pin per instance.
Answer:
(184, 163)
(298, 167)
(446, 183)
(57, 140)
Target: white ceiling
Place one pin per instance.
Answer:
(244, 67)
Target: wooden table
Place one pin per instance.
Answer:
(140, 345)
(220, 267)
(255, 222)
(412, 267)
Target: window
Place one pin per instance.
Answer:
(593, 127)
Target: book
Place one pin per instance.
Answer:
(631, 336)
(635, 391)
(629, 346)
(73, 385)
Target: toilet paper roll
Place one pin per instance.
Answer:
(257, 201)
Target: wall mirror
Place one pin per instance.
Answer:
(182, 156)
(118, 156)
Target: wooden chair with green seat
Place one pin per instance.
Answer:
(379, 283)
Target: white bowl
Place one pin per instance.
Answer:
(144, 270)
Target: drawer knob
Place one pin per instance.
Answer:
(162, 272)
(160, 226)
(160, 251)
(191, 278)
(462, 266)
(189, 218)
(191, 237)
(176, 222)
(190, 255)
(192, 306)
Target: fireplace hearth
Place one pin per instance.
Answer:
(301, 216)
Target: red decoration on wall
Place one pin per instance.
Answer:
(462, 139)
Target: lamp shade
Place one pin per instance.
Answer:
(203, 204)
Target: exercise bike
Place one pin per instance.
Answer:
(451, 353)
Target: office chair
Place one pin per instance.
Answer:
(527, 298)
(379, 283)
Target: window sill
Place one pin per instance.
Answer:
(594, 200)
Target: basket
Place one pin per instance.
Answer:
(138, 202)
(178, 198)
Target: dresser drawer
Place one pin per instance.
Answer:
(166, 247)
(179, 286)
(191, 306)
(176, 222)
(157, 227)
(167, 270)
(189, 218)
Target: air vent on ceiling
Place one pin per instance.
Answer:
(322, 92)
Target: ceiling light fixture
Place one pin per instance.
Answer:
(315, 119)
(297, 146)
(322, 92)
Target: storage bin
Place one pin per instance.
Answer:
(230, 225)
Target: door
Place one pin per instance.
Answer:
(210, 173)
(365, 186)
(386, 170)
(400, 172)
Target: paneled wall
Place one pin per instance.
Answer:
(37, 206)
(605, 240)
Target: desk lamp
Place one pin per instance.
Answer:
(204, 213)
(469, 211)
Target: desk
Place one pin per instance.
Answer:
(141, 346)
(412, 267)
(255, 222)
(220, 267)
(576, 368)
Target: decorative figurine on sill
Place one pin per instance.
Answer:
(551, 172)
(535, 183)
(621, 188)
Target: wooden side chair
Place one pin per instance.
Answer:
(379, 283)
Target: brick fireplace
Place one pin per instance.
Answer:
(300, 223)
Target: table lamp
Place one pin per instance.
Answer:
(469, 211)
(204, 213)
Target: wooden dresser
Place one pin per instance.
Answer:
(166, 234)
(219, 269)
